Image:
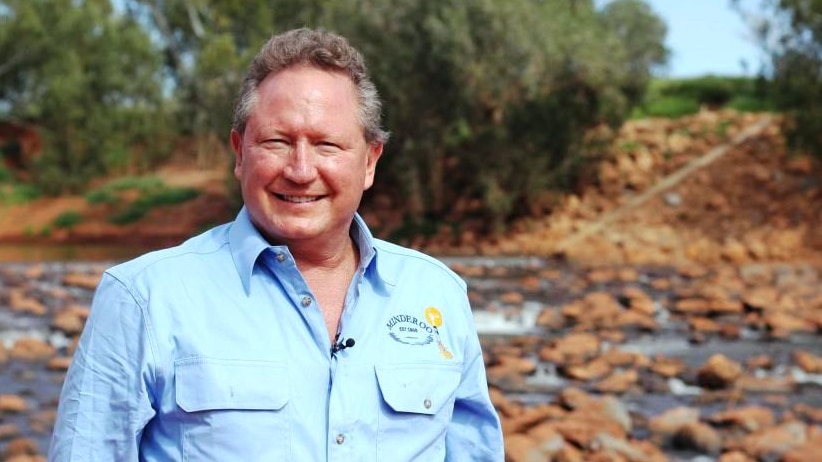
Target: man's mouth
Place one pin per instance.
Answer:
(298, 199)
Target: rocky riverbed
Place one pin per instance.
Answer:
(689, 363)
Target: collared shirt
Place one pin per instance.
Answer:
(216, 350)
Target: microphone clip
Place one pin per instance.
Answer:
(342, 345)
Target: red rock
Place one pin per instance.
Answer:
(668, 367)
(592, 370)
(13, 403)
(749, 419)
(807, 361)
(19, 302)
(512, 298)
(699, 437)
(30, 349)
(618, 382)
(766, 384)
(773, 443)
(735, 456)
(578, 345)
(718, 372)
(665, 426)
(82, 280)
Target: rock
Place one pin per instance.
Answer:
(8, 431)
(808, 362)
(19, 302)
(591, 370)
(767, 384)
(13, 403)
(665, 426)
(512, 298)
(618, 382)
(581, 345)
(522, 448)
(70, 320)
(59, 363)
(749, 419)
(699, 437)
(735, 456)
(806, 452)
(21, 447)
(773, 443)
(718, 372)
(82, 280)
(31, 349)
(668, 367)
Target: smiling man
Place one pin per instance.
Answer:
(291, 333)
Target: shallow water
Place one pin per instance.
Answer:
(496, 322)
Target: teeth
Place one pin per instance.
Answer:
(299, 199)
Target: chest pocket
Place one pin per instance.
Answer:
(233, 409)
(417, 399)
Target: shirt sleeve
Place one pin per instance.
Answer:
(106, 397)
(474, 433)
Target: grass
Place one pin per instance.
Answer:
(675, 98)
(137, 209)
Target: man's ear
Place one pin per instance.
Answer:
(374, 151)
(237, 146)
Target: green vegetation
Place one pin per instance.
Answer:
(679, 97)
(150, 192)
(488, 101)
(792, 35)
(68, 219)
(18, 193)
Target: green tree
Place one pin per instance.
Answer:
(87, 78)
(791, 34)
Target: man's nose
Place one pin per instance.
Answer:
(300, 166)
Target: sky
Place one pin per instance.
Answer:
(706, 37)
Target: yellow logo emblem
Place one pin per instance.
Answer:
(434, 318)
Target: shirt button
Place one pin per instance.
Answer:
(280, 257)
(306, 300)
(340, 438)
(427, 403)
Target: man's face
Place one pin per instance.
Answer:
(302, 161)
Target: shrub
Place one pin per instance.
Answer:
(68, 219)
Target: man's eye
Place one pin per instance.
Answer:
(275, 143)
(328, 146)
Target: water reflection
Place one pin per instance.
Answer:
(75, 252)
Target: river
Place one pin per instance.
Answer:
(498, 320)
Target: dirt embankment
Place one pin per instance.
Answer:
(711, 188)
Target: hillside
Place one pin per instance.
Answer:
(733, 194)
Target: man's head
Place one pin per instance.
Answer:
(323, 50)
(306, 139)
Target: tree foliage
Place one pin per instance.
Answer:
(88, 79)
(488, 101)
(792, 36)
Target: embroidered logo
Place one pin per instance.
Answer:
(434, 317)
(410, 330)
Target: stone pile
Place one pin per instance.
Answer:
(739, 405)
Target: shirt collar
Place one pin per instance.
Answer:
(246, 244)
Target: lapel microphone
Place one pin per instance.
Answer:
(342, 345)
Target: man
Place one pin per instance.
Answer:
(290, 334)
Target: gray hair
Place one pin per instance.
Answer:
(320, 49)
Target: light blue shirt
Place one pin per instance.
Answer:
(215, 350)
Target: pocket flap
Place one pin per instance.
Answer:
(208, 383)
(421, 388)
